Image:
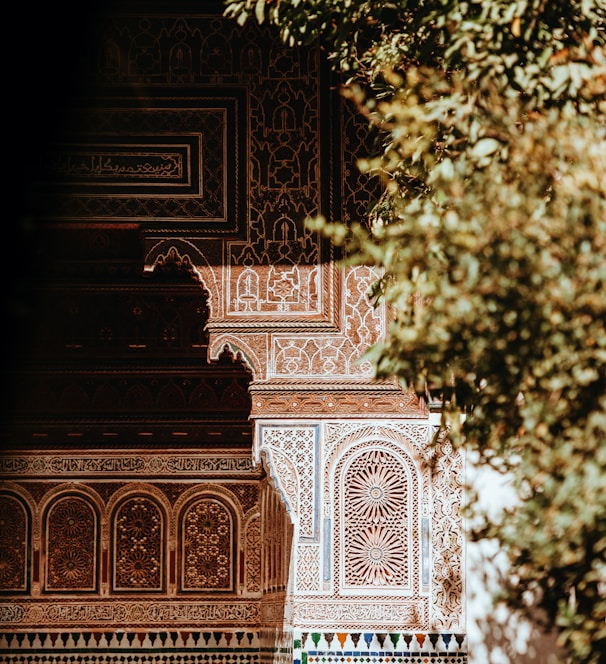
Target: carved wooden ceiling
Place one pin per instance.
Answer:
(99, 353)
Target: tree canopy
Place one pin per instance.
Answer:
(491, 239)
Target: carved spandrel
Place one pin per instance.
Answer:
(293, 455)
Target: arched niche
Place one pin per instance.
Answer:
(138, 536)
(15, 538)
(70, 537)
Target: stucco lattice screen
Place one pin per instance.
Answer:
(71, 546)
(208, 541)
(377, 492)
(138, 541)
(375, 530)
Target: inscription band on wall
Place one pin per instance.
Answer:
(174, 613)
(137, 165)
(145, 465)
(120, 164)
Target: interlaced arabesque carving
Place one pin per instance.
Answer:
(308, 564)
(443, 502)
(248, 494)
(391, 533)
(281, 270)
(336, 355)
(294, 451)
(359, 189)
(139, 546)
(254, 546)
(71, 536)
(364, 325)
(367, 515)
(447, 538)
(413, 435)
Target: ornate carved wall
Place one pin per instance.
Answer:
(199, 465)
(378, 542)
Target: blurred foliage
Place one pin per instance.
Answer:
(491, 239)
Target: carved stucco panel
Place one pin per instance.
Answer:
(253, 547)
(307, 579)
(364, 324)
(447, 538)
(292, 456)
(430, 594)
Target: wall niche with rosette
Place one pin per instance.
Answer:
(71, 544)
(208, 541)
(378, 510)
(15, 533)
(139, 541)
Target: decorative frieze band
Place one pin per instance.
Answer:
(157, 465)
(171, 613)
(308, 401)
(352, 615)
(380, 643)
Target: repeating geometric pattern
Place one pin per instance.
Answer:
(254, 546)
(14, 536)
(117, 539)
(379, 647)
(157, 657)
(71, 537)
(364, 324)
(355, 504)
(308, 563)
(359, 189)
(238, 647)
(375, 520)
(139, 546)
(208, 541)
(440, 507)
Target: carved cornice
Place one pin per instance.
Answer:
(333, 399)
